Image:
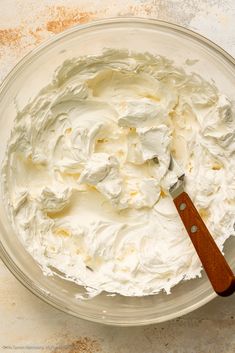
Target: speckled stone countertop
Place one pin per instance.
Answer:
(26, 323)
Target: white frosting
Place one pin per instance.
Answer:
(82, 190)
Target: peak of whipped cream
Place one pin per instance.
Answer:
(86, 174)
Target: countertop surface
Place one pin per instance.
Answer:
(26, 323)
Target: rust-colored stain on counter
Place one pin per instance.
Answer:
(65, 17)
(52, 19)
(82, 345)
(10, 36)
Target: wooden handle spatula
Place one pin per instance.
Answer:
(213, 261)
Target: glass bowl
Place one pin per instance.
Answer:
(24, 82)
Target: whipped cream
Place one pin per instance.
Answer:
(81, 187)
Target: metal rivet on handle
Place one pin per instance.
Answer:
(193, 229)
(182, 206)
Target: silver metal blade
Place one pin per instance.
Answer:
(177, 188)
(174, 166)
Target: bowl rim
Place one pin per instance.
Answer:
(7, 260)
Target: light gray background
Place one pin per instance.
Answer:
(26, 323)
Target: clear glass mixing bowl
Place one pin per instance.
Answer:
(23, 83)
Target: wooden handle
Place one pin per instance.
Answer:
(213, 261)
